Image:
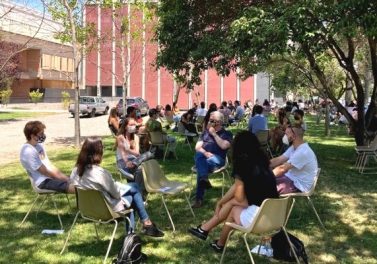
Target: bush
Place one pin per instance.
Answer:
(5, 96)
(36, 96)
(66, 99)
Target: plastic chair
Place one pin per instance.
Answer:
(182, 131)
(156, 182)
(47, 194)
(262, 136)
(93, 207)
(307, 195)
(222, 170)
(157, 139)
(272, 217)
(364, 153)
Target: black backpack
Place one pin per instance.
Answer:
(282, 250)
(130, 251)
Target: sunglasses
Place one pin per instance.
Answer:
(212, 121)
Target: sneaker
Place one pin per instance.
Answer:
(198, 232)
(216, 247)
(152, 230)
(197, 204)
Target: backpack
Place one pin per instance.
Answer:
(130, 251)
(282, 250)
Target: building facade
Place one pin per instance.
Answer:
(103, 73)
(44, 63)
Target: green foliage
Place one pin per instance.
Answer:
(66, 99)
(36, 96)
(5, 96)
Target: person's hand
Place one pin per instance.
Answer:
(212, 130)
(129, 164)
(208, 154)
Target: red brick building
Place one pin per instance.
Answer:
(103, 73)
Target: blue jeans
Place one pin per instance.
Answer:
(205, 166)
(137, 203)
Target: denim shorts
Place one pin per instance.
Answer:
(54, 185)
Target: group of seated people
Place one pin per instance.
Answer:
(256, 177)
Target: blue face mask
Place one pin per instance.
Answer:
(41, 138)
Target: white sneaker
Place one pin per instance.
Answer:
(264, 251)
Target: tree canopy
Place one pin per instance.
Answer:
(226, 35)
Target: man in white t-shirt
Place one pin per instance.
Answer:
(296, 168)
(34, 159)
(202, 111)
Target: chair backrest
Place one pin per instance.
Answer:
(154, 177)
(92, 205)
(199, 127)
(156, 138)
(181, 128)
(262, 136)
(311, 191)
(373, 143)
(199, 119)
(272, 215)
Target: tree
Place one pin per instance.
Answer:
(196, 35)
(80, 36)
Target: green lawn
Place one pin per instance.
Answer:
(11, 116)
(345, 200)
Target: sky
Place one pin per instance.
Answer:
(34, 4)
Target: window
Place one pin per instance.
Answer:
(64, 62)
(70, 65)
(46, 61)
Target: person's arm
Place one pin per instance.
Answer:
(236, 191)
(109, 184)
(282, 169)
(52, 173)
(222, 143)
(277, 161)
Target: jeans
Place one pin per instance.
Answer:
(204, 166)
(136, 201)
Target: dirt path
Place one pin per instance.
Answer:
(59, 131)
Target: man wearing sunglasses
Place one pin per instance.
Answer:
(296, 168)
(211, 150)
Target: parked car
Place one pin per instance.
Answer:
(90, 105)
(137, 102)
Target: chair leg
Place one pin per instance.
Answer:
(57, 211)
(290, 245)
(69, 204)
(222, 189)
(111, 241)
(225, 246)
(248, 248)
(28, 212)
(69, 233)
(43, 201)
(188, 201)
(315, 211)
(96, 229)
(166, 151)
(167, 211)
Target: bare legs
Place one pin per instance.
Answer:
(234, 216)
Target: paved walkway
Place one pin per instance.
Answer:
(59, 130)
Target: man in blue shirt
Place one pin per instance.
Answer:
(210, 154)
(240, 112)
(258, 121)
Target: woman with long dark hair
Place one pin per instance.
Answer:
(254, 182)
(113, 121)
(89, 175)
(212, 108)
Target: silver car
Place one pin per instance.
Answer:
(137, 102)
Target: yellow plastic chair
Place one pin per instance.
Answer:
(364, 153)
(262, 136)
(183, 132)
(223, 170)
(157, 139)
(46, 194)
(272, 217)
(93, 207)
(308, 195)
(156, 182)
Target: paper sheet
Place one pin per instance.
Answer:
(52, 231)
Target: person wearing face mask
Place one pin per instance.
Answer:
(211, 150)
(296, 168)
(34, 159)
(128, 152)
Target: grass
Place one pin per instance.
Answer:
(345, 200)
(12, 116)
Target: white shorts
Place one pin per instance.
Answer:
(248, 214)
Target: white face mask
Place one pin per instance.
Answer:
(285, 140)
(131, 129)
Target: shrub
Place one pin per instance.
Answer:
(36, 96)
(5, 95)
(66, 99)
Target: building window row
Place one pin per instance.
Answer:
(51, 62)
